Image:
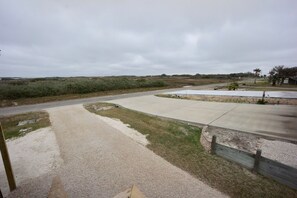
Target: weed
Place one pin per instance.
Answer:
(12, 128)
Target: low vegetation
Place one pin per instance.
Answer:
(179, 144)
(233, 86)
(21, 124)
(60, 86)
(37, 90)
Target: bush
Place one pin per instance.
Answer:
(53, 86)
(233, 86)
(262, 101)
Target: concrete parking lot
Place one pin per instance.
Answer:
(269, 120)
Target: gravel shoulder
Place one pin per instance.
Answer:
(100, 161)
(281, 151)
(32, 156)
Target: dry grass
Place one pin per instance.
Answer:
(12, 130)
(179, 144)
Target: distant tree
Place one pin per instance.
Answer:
(257, 73)
(278, 74)
(272, 77)
(290, 72)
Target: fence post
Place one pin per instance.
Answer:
(213, 144)
(6, 161)
(257, 160)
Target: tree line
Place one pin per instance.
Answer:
(278, 74)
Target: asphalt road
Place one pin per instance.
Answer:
(42, 106)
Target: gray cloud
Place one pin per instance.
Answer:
(112, 37)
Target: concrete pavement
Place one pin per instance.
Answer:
(268, 120)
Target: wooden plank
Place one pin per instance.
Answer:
(6, 161)
(280, 172)
(241, 157)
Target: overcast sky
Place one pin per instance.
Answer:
(145, 37)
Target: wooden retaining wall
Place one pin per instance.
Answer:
(280, 172)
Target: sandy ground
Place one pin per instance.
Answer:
(281, 151)
(126, 130)
(33, 155)
(100, 161)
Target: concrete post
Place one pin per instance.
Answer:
(263, 96)
(213, 144)
(257, 160)
(6, 161)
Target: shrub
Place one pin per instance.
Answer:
(56, 86)
(233, 86)
(262, 101)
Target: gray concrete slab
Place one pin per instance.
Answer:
(269, 120)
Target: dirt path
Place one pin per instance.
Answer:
(100, 161)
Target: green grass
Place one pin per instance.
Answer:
(179, 144)
(12, 130)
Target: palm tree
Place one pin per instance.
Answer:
(257, 73)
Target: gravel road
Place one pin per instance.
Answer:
(100, 161)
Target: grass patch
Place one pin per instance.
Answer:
(35, 120)
(179, 144)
